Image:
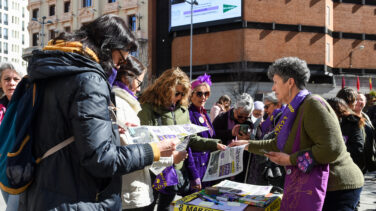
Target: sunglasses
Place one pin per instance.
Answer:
(266, 106)
(243, 117)
(200, 94)
(177, 93)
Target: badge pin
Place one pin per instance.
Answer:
(201, 120)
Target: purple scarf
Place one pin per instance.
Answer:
(125, 87)
(287, 119)
(194, 115)
(168, 177)
(267, 126)
(112, 77)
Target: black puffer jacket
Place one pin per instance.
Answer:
(85, 175)
(354, 138)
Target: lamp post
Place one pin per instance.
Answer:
(192, 2)
(42, 22)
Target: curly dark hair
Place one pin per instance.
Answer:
(348, 95)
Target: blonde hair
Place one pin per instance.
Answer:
(161, 91)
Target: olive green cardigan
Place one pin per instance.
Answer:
(149, 115)
(321, 134)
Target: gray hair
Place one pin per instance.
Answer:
(245, 102)
(271, 97)
(291, 67)
(7, 65)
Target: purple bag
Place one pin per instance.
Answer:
(304, 191)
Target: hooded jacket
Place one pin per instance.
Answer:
(85, 175)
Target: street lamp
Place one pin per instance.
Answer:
(361, 47)
(43, 22)
(192, 2)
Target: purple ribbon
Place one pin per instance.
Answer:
(287, 119)
(267, 125)
(168, 177)
(123, 86)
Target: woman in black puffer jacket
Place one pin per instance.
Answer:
(76, 70)
(351, 127)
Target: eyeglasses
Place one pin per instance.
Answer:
(139, 82)
(123, 61)
(200, 94)
(177, 93)
(244, 117)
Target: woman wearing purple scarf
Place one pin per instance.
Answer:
(308, 143)
(197, 161)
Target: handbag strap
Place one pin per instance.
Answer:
(56, 148)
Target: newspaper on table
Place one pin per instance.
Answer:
(243, 189)
(224, 164)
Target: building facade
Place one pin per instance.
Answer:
(336, 37)
(14, 36)
(50, 17)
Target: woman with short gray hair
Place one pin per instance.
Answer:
(308, 141)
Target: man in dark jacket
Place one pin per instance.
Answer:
(86, 174)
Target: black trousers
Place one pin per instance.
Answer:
(344, 200)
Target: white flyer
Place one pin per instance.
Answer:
(224, 164)
(242, 188)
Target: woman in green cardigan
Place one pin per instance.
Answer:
(165, 102)
(308, 141)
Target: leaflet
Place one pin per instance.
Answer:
(224, 164)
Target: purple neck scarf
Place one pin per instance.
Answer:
(125, 87)
(112, 77)
(287, 119)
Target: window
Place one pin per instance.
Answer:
(67, 29)
(5, 33)
(86, 3)
(35, 13)
(35, 39)
(23, 39)
(5, 19)
(5, 48)
(1, 32)
(1, 44)
(328, 52)
(23, 12)
(5, 4)
(1, 4)
(328, 15)
(66, 6)
(1, 15)
(5, 58)
(132, 22)
(23, 25)
(52, 10)
(111, 1)
(52, 34)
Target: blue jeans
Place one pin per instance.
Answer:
(344, 200)
(11, 201)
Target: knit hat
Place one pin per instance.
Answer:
(258, 105)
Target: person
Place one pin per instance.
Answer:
(137, 193)
(320, 141)
(222, 105)
(225, 124)
(352, 127)
(165, 102)
(273, 109)
(226, 127)
(10, 76)
(197, 161)
(263, 171)
(257, 117)
(86, 174)
(349, 95)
